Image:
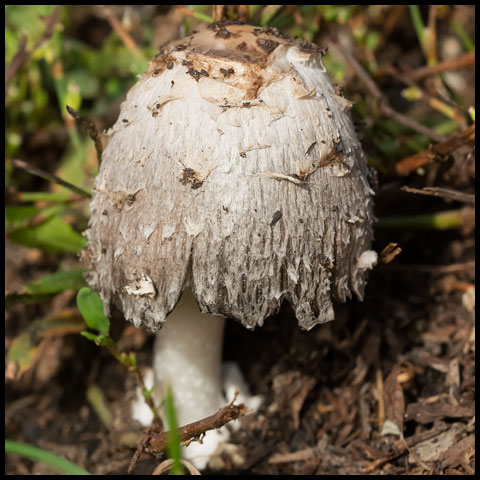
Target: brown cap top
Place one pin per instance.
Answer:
(215, 51)
(238, 42)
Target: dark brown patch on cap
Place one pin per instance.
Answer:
(160, 62)
(197, 74)
(268, 45)
(309, 47)
(242, 46)
(223, 33)
(227, 73)
(276, 217)
(189, 176)
(273, 31)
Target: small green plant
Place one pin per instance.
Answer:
(91, 307)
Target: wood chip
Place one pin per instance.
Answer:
(394, 401)
(422, 413)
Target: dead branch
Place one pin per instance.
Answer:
(445, 193)
(125, 37)
(434, 269)
(435, 152)
(466, 60)
(158, 442)
(298, 456)
(155, 439)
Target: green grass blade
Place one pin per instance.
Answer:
(418, 23)
(173, 440)
(60, 464)
(463, 35)
(436, 221)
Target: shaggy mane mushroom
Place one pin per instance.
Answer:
(233, 172)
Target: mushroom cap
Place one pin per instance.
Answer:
(233, 170)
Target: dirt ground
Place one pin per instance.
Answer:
(388, 387)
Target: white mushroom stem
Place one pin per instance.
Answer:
(187, 356)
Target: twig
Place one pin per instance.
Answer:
(298, 456)
(440, 269)
(381, 405)
(158, 442)
(142, 444)
(435, 152)
(414, 455)
(405, 444)
(167, 464)
(22, 165)
(89, 126)
(22, 56)
(445, 193)
(455, 142)
(385, 109)
(466, 60)
(127, 40)
(409, 122)
(389, 253)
